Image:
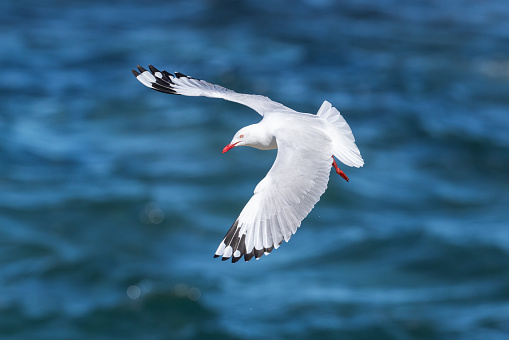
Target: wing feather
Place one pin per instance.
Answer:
(179, 83)
(283, 198)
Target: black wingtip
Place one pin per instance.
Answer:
(258, 253)
(225, 259)
(141, 69)
(180, 75)
(249, 256)
(136, 74)
(167, 77)
(163, 89)
(216, 256)
(153, 69)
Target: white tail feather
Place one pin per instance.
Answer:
(343, 141)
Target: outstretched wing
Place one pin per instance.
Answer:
(283, 198)
(181, 84)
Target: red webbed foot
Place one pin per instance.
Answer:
(338, 170)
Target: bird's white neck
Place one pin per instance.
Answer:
(260, 137)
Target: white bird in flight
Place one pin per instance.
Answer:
(299, 175)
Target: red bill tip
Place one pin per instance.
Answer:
(229, 146)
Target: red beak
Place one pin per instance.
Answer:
(229, 146)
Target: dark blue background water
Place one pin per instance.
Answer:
(113, 198)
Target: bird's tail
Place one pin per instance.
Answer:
(343, 141)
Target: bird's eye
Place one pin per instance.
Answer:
(241, 136)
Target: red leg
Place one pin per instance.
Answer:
(338, 170)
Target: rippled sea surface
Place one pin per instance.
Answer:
(113, 197)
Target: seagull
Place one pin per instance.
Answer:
(299, 175)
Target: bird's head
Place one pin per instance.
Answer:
(243, 137)
(255, 136)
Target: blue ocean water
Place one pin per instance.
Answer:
(113, 197)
